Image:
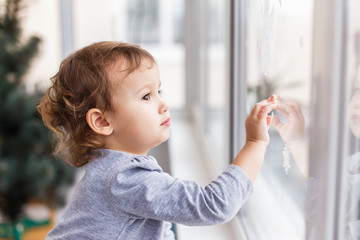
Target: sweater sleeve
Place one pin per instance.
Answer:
(145, 193)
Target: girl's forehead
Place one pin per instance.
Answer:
(129, 66)
(120, 76)
(122, 69)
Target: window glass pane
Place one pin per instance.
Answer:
(179, 20)
(215, 22)
(352, 162)
(278, 61)
(215, 82)
(143, 21)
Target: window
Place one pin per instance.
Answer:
(277, 60)
(307, 52)
(280, 48)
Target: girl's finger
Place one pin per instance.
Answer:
(268, 121)
(273, 98)
(259, 107)
(265, 110)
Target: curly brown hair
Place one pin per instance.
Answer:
(82, 83)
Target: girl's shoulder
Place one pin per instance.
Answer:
(115, 161)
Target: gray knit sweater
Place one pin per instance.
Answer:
(124, 196)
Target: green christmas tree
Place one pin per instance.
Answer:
(28, 171)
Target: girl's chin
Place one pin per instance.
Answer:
(166, 137)
(163, 139)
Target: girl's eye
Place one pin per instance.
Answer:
(146, 97)
(160, 93)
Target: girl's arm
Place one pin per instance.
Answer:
(145, 193)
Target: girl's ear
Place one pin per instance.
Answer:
(98, 123)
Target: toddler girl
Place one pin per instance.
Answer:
(106, 108)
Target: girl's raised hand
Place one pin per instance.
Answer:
(258, 122)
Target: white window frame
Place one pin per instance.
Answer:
(328, 133)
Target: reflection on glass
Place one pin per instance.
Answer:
(352, 215)
(349, 227)
(352, 221)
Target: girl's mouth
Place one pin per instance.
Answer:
(166, 123)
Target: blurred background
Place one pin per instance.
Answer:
(216, 60)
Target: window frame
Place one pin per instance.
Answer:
(328, 118)
(237, 82)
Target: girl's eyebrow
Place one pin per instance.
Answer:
(147, 86)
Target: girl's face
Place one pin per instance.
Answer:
(354, 109)
(354, 114)
(141, 118)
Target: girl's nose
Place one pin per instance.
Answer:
(164, 107)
